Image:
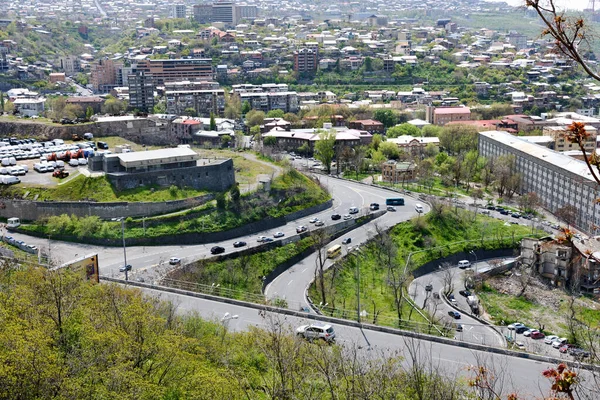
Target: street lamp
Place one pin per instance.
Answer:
(122, 219)
(225, 322)
(473, 252)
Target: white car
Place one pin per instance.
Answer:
(560, 342)
(313, 220)
(261, 239)
(528, 332)
(319, 223)
(278, 234)
(347, 216)
(514, 326)
(316, 331)
(550, 339)
(174, 261)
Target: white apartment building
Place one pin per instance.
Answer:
(557, 179)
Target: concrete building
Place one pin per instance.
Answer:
(398, 172)
(94, 102)
(306, 60)
(292, 139)
(180, 166)
(204, 101)
(247, 12)
(267, 101)
(4, 66)
(368, 125)
(30, 107)
(203, 13)
(141, 91)
(104, 76)
(193, 69)
(561, 143)
(56, 77)
(565, 264)
(69, 65)
(414, 145)
(225, 12)
(443, 115)
(557, 179)
(178, 11)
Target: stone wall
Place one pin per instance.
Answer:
(33, 210)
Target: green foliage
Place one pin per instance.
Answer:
(325, 148)
(270, 141)
(403, 129)
(458, 139)
(213, 123)
(254, 118)
(275, 114)
(226, 140)
(389, 150)
(246, 107)
(388, 118)
(191, 112)
(89, 112)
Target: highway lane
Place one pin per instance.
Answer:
(521, 375)
(149, 262)
(289, 284)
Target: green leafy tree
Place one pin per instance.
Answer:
(275, 114)
(458, 139)
(225, 140)
(389, 150)
(376, 141)
(403, 129)
(191, 112)
(377, 158)
(388, 118)
(368, 64)
(270, 141)
(1, 102)
(246, 107)
(325, 148)
(304, 149)
(255, 118)
(89, 113)
(213, 123)
(431, 130)
(114, 106)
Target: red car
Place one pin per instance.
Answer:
(537, 335)
(566, 347)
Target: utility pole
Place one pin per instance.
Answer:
(124, 248)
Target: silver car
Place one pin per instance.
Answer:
(317, 331)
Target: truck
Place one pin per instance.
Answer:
(473, 302)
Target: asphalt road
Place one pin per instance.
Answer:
(293, 284)
(518, 375)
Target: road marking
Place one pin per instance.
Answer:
(304, 270)
(290, 282)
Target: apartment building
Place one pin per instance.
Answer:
(557, 179)
(397, 172)
(178, 11)
(104, 76)
(69, 65)
(224, 11)
(193, 69)
(204, 101)
(306, 60)
(561, 143)
(267, 101)
(141, 91)
(443, 115)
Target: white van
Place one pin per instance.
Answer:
(13, 223)
(353, 210)
(464, 264)
(419, 208)
(58, 142)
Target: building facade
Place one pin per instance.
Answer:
(194, 69)
(267, 101)
(306, 60)
(178, 11)
(398, 172)
(557, 179)
(141, 92)
(559, 136)
(204, 101)
(104, 76)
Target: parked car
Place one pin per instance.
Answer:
(558, 343)
(535, 334)
(528, 332)
(347, 240)
(520, 345)
(578, 353)
(353, 210)
(521, 329)
(566, 347)
(465, 293)
(319, 223)
(451, 298)
(175, 260)
(239, 244)
(336, 216)
(459, 328)
(490, 207)
(217, 250)
(514, 326)
(464, 264)
(278, 234)
(316, 331)
(504, 212)
(454, 314)
(125, 268)
(550, 339)
(301, 228)
(515, 215)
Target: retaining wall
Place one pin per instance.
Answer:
(453, 259)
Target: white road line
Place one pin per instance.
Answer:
(290, 282)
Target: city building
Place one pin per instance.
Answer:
(193, 69)
(267, 101)
(398, 172)
(557, 179)
(29, 107)
(247, 12)
(178, 11)
(306, 60)
(56, 77)
(293, 139)
(565, 264)
(203, 13)
(414, 145)
(443, 115)
(69, 65)
(203, 101)
(225, 12)
(180, 166)
(561, 143)
(141, 91)
(93, 102)
(104, 76)
(368, 125)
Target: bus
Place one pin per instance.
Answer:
(399, 201)
(334, 251)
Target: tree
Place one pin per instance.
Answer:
(213, 123)
(457, 139)
(389, 150)
(246, 107)
(113, 106)
(325, 148)
(304, 149)
(529, 202)
(507, 181)
(567, 214)
(233, 106)
(368, 64)
(225, 140)
(402, 130)
(89, 113)
(254, 118)
(376, 141)
(431, 130)
(1, 101)
(270, 141)
(9, 107)
(191, 112)
(388, 118)
(275, 114)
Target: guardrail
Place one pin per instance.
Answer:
(339, 321)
